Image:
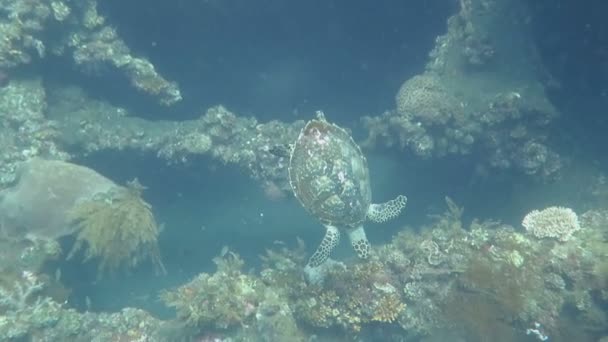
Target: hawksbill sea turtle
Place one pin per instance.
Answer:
(328, 174)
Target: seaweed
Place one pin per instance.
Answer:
(480, 317)
(487, 299)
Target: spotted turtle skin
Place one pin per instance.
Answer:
(329, 174)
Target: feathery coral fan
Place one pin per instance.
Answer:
(118, 228)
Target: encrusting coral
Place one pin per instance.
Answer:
(482, 281)
(351, 298)
(118, 228)
(221, 301)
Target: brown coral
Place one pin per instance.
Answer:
(388, 309)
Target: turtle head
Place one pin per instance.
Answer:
(320, 115)
(281, 150)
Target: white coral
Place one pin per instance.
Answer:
(553, 222)
(23, 291)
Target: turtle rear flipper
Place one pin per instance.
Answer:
(383, 212)
(329, 242)
(359, 241)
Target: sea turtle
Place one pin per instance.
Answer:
(329, 176)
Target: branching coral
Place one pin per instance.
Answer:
(318, 311)
(118, 228)
(553, 222)
(21, 294)
(388, 309)
(468, 99)
(23, 309)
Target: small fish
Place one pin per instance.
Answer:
(87, 303)
(5, 79)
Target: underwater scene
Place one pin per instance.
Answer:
(303, 171)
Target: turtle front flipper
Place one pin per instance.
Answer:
(383, 212)
(329, 242)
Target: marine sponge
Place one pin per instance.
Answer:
(553, 222)
(45, 191)
(118, 228)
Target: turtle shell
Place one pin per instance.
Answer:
(329, 174)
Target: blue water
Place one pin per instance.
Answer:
(282, 60)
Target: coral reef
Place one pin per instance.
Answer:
(21, 294)
(25, 132)
(88, 126)
(469, 96)
(22, 309)
(481, 91)
(388, 309)
(80, 30)
(351, 298)
(117, 228)
(31, 310)
(480, 281)
(275, 320)
(553, 222)
(224, 300)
